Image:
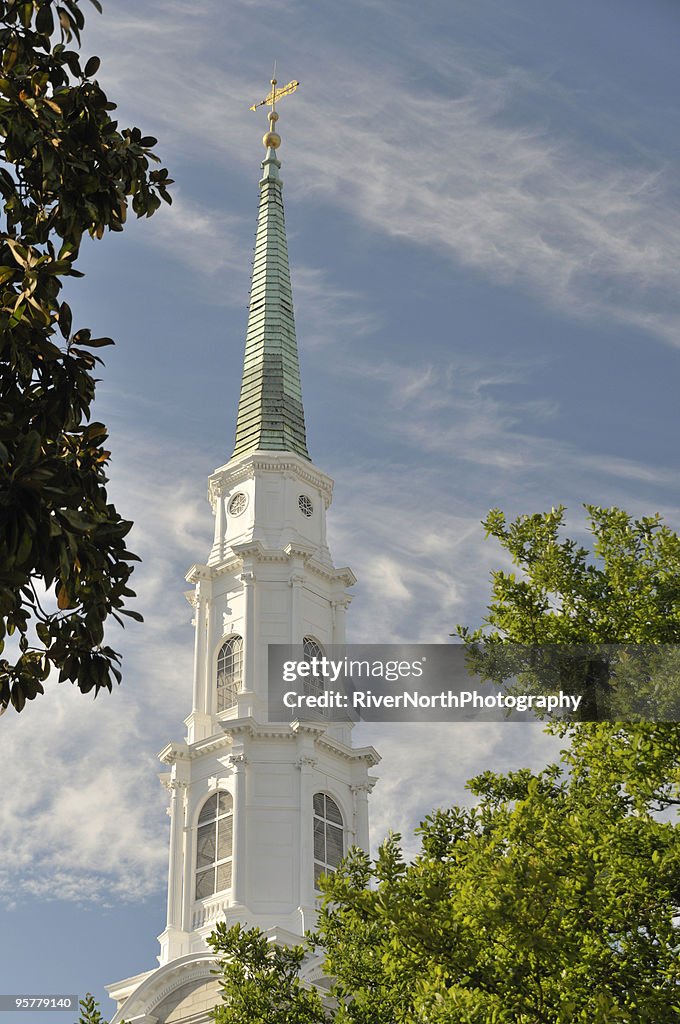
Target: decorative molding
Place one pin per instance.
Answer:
(246, 467)
(173, 752)
(215, 784)
(306, 762)
(208, 911)
(299, 549)
(344, 576)
(237, 762)
(173, 785)
(157, 985)
(249, 549)
(199, 972)
(199, 571)
(215, 490)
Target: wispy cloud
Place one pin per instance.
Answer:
(527, 206)
(207, 242)
(326, 312)
(449, 410)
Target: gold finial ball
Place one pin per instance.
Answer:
(272, 115)
(271, 140)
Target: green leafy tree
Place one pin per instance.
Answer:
(568, 606)
(66, 170)
(626, 590)
(89, 1011)
(555, 899)
(260, 982)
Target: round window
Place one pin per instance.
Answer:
(305, 505)
(237, 504)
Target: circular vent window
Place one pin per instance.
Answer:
(237, 504)
(305, 505)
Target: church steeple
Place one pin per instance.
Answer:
(259, 808)
(270, 414)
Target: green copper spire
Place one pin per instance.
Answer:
(270, 413)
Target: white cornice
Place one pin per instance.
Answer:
(236, 728)
(246, 466)
(254, 551)
(198, 572)
(173, 752)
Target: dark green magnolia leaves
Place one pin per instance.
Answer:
(66, 170)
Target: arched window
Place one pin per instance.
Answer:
(329, 836)
(313, 685)
(214, 845)
(229, 672)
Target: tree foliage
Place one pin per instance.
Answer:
(89, 1011)
(626, 590)
(560, 621)
(260, 980)
(66, 170)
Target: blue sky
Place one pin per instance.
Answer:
(483, 222)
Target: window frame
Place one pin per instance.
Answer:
(311, 686)
(327, 865)
(218, 862)
(236, 686)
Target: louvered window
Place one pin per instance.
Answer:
(313, 685)
(229, 672)
(329, 836)
(214, 845)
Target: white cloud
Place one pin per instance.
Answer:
(82, 808)
(206, 242)
(325, 312)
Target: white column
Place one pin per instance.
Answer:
(189, 876)
(217, 552)
(238, 764)
(360, 808)
(295, 582)
(176, 866)
(199, 649)
(249, 631)
(209, 679)
(324, 507)
(307, 766)
(339, 609)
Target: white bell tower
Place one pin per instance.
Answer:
(258, 809)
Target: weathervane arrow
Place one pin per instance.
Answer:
(276, 94)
